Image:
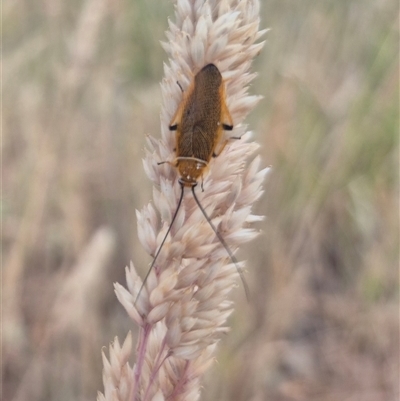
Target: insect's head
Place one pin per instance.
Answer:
(190, 170)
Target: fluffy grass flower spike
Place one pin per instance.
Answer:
(183, 307)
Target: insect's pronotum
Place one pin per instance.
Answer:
(199, 123)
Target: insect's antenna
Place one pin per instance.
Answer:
(235, 261)
(180, 86)
(162, 243)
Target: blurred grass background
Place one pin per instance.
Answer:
(81, 90)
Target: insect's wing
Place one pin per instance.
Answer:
(226, 118)
(177, 118)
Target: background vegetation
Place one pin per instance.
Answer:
(80, 90)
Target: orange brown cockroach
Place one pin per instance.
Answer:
(199, 122)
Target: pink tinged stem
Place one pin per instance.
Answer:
(156, 368)
(144, 337)
(182, 381)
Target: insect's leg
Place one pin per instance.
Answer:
(227, 127)
(216, 154)
(173, 164)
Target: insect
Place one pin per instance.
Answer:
(199, 123)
